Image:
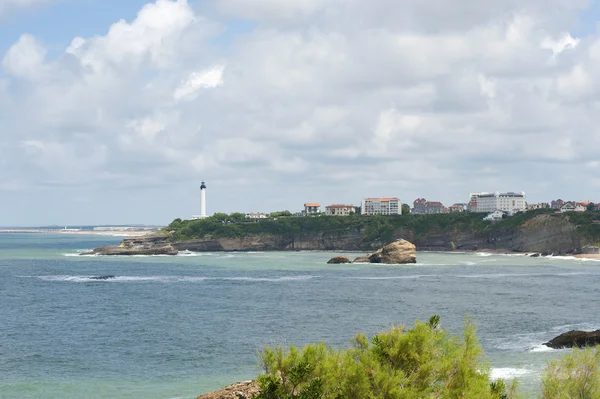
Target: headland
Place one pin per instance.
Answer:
(537, 231)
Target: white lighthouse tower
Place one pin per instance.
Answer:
(202, 201)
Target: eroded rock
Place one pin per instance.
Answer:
(574, 338)
(398, 252)
(338, 260)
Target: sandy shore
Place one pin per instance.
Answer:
(112, 233)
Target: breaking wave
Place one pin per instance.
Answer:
(165, 279)
(507, 373)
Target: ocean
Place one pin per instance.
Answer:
(177, 327)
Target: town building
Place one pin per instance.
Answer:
(423, 207)
(256, 215)
(541, 205)
(494, 216)
(456, 208)
(573, 207)
(339, 210)
(311, 208)
(557, 204)
(508, 202)
(381, 206)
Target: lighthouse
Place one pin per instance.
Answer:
(202, 200)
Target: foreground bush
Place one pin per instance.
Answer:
(576, 375)
(421, 362)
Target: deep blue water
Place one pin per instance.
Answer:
(176, 327)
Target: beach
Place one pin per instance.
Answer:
(112, 233)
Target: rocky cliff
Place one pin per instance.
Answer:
(542, 233)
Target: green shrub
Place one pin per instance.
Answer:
(575, 375)
(421, 362)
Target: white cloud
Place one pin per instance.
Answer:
(206, 79)
(566, 41)
(25, 58)
(406, 98)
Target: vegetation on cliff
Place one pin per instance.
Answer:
(374, 230)
(421, 362)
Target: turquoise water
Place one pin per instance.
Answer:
(176, 327)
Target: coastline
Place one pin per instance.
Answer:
(111, 233)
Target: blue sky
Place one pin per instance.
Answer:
(279, 103)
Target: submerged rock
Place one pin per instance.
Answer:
(107, 277)
(337, 260)
(240, 390)
(575, 338)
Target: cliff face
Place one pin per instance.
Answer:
(263, 242)
(542, 233)
(552, 233)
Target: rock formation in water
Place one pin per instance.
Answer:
(240, 390)
(338, 260)
(398, 252)
(575, 338)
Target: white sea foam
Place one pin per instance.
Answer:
(542, 348)
(393, 277)
(484, 254)
(508, 373)
(165, 279)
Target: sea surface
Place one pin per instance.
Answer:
(176, 327)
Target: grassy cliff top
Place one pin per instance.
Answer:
(372, 228)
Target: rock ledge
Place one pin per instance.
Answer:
(574, 338)
(239, 390)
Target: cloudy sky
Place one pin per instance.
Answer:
(113, 111)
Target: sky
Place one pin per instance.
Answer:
(114, 111)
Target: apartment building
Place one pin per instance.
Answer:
(381, 206)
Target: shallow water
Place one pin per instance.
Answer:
(175, 327)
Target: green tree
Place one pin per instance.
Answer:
(591, 207)
(220, 217)
(405, 209)
(237, 217)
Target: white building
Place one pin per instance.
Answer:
(381, 206)
(496, 215)
(508, 202)
(256, 215)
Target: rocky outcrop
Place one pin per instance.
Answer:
(338, 260)
(116, 250)
(240, 390)
(151, 244)
(398, 252)
(575, 338)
